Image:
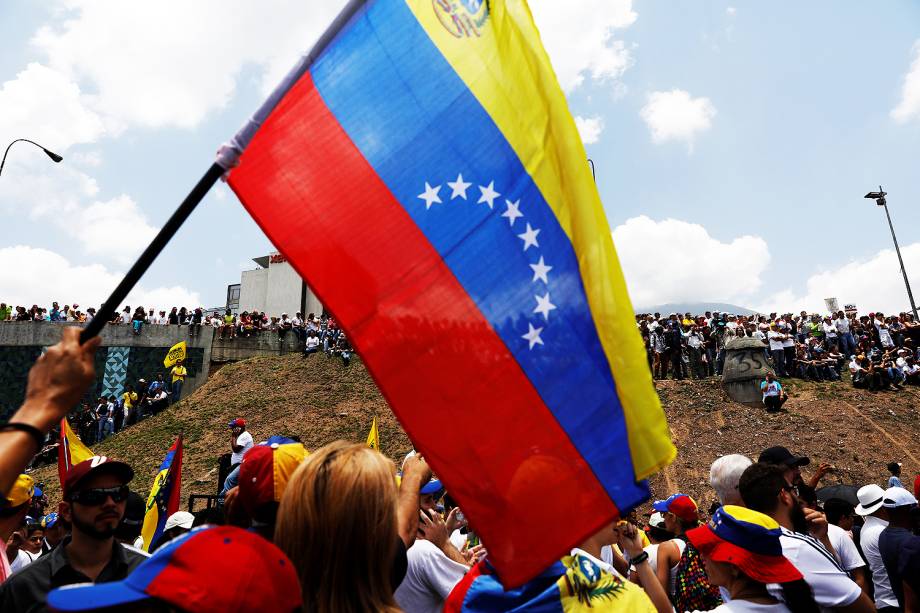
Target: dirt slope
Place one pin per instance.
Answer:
(320, 400)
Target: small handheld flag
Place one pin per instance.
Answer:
(71, 450)
(164, 499)
(373, 437)
(176, 353)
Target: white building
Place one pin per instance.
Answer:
(274, 288)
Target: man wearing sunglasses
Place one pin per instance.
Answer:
(95, 494)
(765, 488)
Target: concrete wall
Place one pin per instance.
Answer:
(253, 288)
(276, 289)
(123, 357)
(266, 343)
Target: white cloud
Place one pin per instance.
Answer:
(872, 284)
(115, 228)
(678, 261)
(579, 38)
(40, 276)
(675, 115)
(909, 105)
(171, 63)
(45, 106)
(589, 128)
(731, 11)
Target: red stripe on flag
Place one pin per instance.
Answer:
(453, 384)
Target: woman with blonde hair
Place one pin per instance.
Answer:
(338, 524)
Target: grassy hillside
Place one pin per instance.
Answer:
(320, 400)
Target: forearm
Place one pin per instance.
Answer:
(653, 587)
(407, 506)
(17, 448)
(453, 553)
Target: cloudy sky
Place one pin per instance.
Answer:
(733, 141)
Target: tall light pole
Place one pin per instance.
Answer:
(51, 154)
(879, 198)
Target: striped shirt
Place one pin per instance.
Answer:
(831, 585)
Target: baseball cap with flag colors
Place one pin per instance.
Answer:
(746, 539)
(219, 569)
(266, 469)
(679, 505)
(21, 492)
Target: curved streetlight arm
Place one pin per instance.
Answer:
(51, 154)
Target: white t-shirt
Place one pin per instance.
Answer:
(312, 341)
(430, 577)
(746, 606)
(868, 539)
(831, 586)
(776, 340)
(23, 559)
(244, 439)
(847, 553)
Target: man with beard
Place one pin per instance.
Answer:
(804, 539)
(95, 492)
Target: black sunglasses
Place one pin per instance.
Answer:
(97, 496)
(792, 488)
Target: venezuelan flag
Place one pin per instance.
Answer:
(71, 450)
(421, 170)
(163, 500)
(574, 584)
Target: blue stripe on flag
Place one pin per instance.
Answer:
(415, 121)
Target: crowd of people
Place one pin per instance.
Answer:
(333, 530)
(314, 333)
(881, 352)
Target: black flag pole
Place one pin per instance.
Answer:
(169, 229)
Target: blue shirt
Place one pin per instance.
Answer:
(890, 543)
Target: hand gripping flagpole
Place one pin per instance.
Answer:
(227, 158)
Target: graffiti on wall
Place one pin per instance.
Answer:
(115, 368)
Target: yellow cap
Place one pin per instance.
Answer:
(22, 491)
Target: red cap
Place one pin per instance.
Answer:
(95, 465)
(238, 422)
(208, 570)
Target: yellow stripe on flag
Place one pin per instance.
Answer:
(539, 127)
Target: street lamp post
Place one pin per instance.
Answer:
(879, 198)
(51, 154)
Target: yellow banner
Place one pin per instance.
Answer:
(176, 353)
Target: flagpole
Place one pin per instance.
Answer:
(227, 158)
(169, 229)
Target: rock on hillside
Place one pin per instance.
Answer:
(320, 400)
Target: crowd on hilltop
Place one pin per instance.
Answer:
(879, 351)
(313, 333)
(341, 529)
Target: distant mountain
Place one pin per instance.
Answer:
(696, 308)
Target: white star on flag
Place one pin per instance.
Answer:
(533, 335)
(541, 271)
(529, 237)
(513, 211)
(544, 306)
(488, 194)
(430, 195)
(458, 188)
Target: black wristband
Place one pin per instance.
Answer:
(639, 559)
(37, 435)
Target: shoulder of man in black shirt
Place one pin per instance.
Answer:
(27, 589)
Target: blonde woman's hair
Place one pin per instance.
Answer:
(337, 523)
